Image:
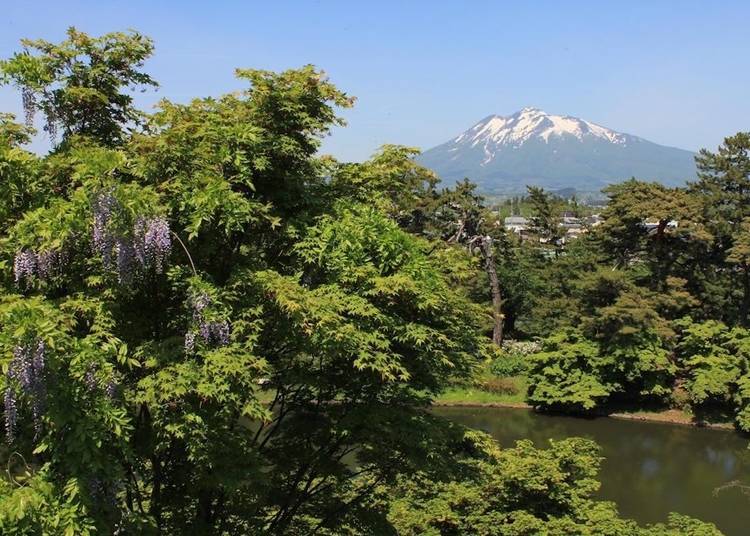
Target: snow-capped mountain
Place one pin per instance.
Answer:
(505, 153)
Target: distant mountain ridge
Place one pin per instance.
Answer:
(503, 154)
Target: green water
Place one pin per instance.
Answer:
(650, 469)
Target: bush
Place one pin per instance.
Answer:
(680, 397)
(523, 348)
(513, 359)
(499, 386)
(518, 490)
(569, 374)
(508, 365)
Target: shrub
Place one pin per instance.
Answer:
(569, 374)
(509, 365)
(499, 386)
(523, 348)
(680, 397)
(514, 357)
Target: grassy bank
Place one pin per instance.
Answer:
(510, 392)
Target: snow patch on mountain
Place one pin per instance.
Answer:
(530, 123)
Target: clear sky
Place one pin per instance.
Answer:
(673, 72)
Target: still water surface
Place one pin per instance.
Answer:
(650, 469)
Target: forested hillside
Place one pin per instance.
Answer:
(208, 328)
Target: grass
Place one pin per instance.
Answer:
(513, 394)
(473, 394)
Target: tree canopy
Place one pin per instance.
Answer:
(208, 328)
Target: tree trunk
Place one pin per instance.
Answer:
(488, 249)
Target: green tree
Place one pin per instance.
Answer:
(79, 84)
(570, 373)
(20, 177)
(545, 217)
(470, 224)
(715, 362)
(198, 336)
(651, 224)
(407, 189)
(724, 187)
(518, 491)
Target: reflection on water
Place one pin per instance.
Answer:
(649, 469)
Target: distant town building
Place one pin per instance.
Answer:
(570, 222)
(572, 227)
(516, 224)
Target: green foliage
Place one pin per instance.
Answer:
(21, 186)
(78, 84)
(289, 331)
(633, 204)
(33, 505)
(621, 347)
(544, 219)
(518, 491)
(207, 328)
(722, 187)
(513, 358)
(716, 364)
(509, 364)
(724, 179)
(710, 363)
(404, 189)
(569, 373)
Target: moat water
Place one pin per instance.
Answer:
(649, 470)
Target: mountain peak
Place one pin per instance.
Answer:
(532, 123)
(503, 153)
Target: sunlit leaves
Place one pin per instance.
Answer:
(570, 373)
(79, 84)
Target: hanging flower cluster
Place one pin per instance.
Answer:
(93, 383)
(105, 206)
(29, 263)
(110, 389)
(147, 247)
(28, 100)
(90, 379)
(152, 242)
(30, 107)
(26, 371)
(213, 332)
(11, 413)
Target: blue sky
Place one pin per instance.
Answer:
(677, 73)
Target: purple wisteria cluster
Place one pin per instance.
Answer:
(153, 242)
(93, 383)
(90, 379)
(28, 100)
(11, 413)
(28, 264)
(26, 371)
(213, 332)
(147, 247)
(30, 107)
(105, 207)
(110, 389)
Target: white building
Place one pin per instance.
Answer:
(516, 224)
